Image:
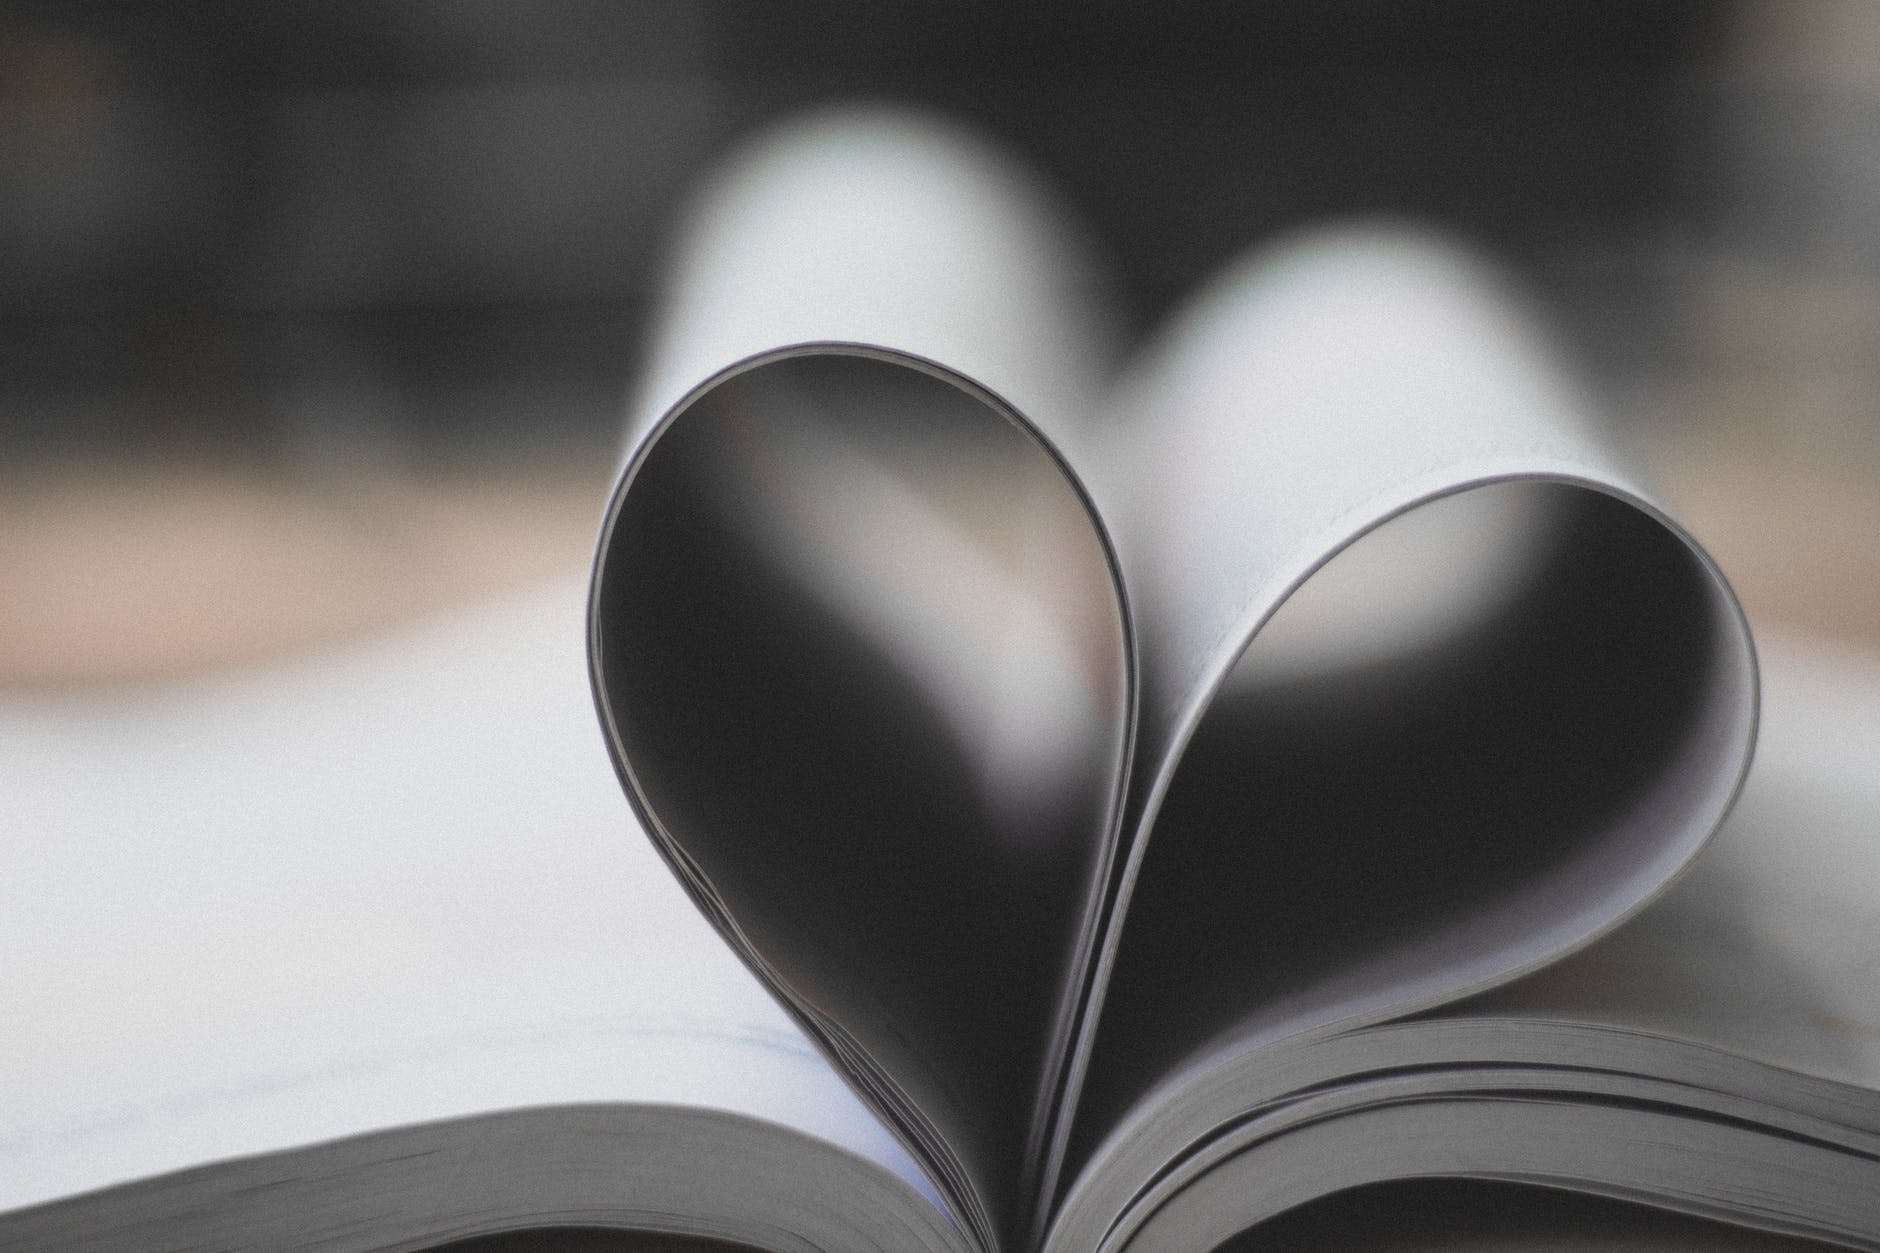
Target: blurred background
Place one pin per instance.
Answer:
(317, 318)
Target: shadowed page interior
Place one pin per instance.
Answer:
(861, 647)
(1363, 809)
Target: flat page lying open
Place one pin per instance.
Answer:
(350, 953)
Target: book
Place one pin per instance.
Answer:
(1038, 804)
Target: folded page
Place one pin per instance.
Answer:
(857, 638)
(1433, 690)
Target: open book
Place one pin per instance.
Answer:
(1153, 799)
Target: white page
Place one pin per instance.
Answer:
(1315, 406)
(391, 883)
(864, 300)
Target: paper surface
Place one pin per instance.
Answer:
(841, 569)
(393, 883)
(1483, 775)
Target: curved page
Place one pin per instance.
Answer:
(1750, 981)
(856, 637)
(1716, 1169)
(1766, 948)
(1433, 692)
(1472, 1216)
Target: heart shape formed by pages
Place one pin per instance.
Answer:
(1036, 742)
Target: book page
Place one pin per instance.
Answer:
(391, 883)
(1745, 993)
(1433, 691)
(859, 642)
(1476, 1216)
